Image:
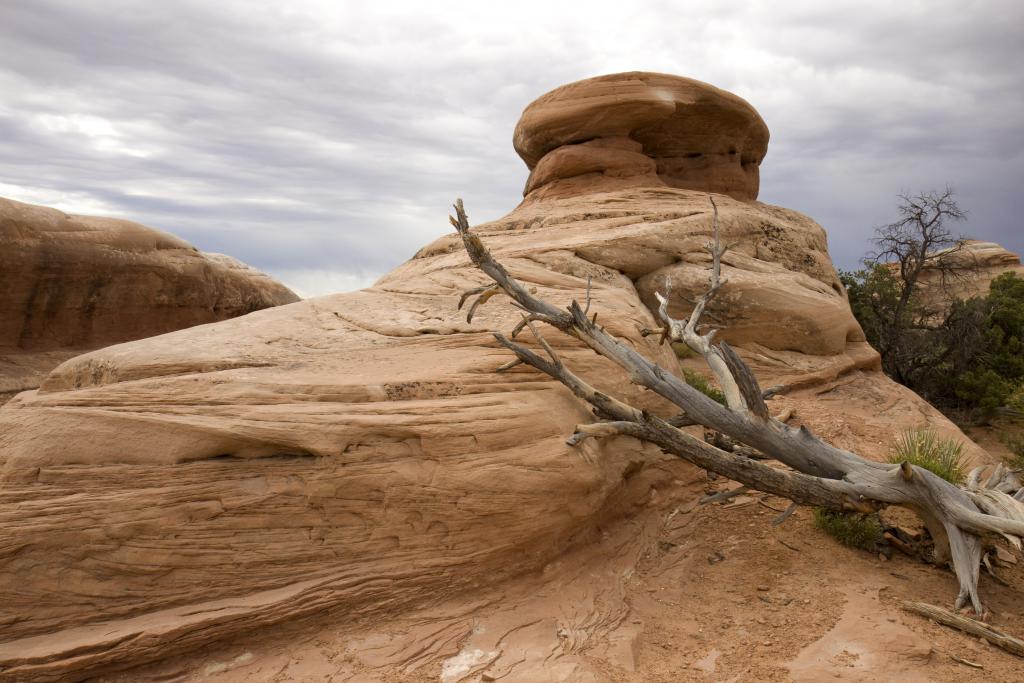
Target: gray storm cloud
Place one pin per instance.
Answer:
(324, 141)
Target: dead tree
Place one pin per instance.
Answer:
(816, 473)
(920, 241)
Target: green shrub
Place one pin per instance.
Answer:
(982, 388)
(850, 528)
(1016, 400)
(701, 384)
(965, 357)
(924, 448)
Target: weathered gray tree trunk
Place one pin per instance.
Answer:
(820, 474)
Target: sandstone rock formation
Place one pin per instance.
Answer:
(974, 267)
(358, 452)
(76, 283)
(641, 130)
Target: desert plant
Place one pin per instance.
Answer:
(1016, 400)
(966, 357)
(703, 385)
(925, 448)
(850, 528)
(919, 240)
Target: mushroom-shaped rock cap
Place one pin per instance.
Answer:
(641, 128)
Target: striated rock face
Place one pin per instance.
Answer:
(84, 282)
(359, 452)
(641, 130)
(74, 283)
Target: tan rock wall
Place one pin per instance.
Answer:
(81, 282)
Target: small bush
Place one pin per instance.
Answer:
(924, 448)
(701, 384)
(1016, 400)
(850, 529)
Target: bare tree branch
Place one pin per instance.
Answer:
(971, 626)
(920, 240)
(745, 381)
(819, 473)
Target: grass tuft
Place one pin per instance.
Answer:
(924, 448)
(701, 384)
(849, 528)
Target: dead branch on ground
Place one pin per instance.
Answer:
(819, 474)
(971, 626)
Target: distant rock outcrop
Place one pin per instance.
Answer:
(975, 266)
(358, 451)
(76, 283)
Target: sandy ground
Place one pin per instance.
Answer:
(669, 591)
(678, 592)
(992, 437)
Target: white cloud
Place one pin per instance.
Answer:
(100, 133)
(310, 283)
(67, 201)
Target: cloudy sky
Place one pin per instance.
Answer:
(323, 140)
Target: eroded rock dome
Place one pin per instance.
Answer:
(641, 129)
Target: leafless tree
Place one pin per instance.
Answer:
(920, 240)
(813, 472)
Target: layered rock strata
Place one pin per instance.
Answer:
(641, 130)
(359, 452)
(76, 283)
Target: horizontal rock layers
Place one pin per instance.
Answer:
(74, 283)
(641, 129)
(358, 451)
(361, 442)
